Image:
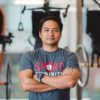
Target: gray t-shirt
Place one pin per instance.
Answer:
(51, 63)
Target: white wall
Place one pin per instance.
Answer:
(2, 2)
(69, 36)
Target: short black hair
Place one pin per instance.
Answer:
(56, 19)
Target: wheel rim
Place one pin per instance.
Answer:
(84, 65)
(8, 81)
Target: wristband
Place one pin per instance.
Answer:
(39, 77)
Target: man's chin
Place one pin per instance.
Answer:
(52, 43)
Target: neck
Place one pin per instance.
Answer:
(50, 48)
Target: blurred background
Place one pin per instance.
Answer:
(81, 34)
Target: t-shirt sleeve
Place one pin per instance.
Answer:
(26, 61)
(72, 61)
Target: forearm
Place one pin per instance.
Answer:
(59, 82)
(67, 79)
(33, 85)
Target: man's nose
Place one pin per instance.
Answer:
(51, 32)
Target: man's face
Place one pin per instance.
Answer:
(50, 33)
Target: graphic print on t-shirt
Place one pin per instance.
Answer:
(49, 68)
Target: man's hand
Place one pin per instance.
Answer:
(38, 77)
(35, 76)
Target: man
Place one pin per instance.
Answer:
(48, 73)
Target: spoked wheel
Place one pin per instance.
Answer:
(8, 82)
(84, 65)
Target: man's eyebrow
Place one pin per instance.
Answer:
(56, 28)
(48, 28)
(45, 28)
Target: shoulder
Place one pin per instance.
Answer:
(27, 54)
(67, 52)
(70, 56)
(36, 51)
(31, 53)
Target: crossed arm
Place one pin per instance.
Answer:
(67, 79)
(28, 83)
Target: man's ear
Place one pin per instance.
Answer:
(40, 34)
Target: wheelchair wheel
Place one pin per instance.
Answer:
(84, 65)
(8, 82)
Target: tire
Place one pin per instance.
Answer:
(8, 82)
(84, 65)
